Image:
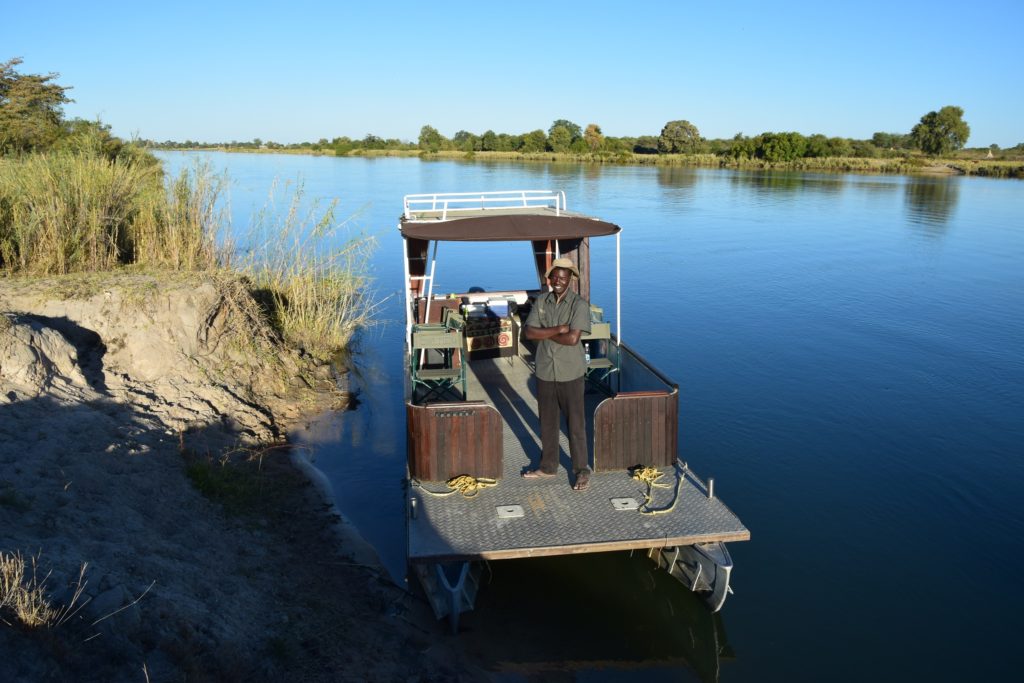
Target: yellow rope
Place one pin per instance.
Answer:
(650, 476)
(468, 486)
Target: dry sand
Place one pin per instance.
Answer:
(109, 388)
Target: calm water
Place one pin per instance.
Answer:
(849, 355)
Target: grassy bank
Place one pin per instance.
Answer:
(908, 165)
(81, 212)
(896, 165)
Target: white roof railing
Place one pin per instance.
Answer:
(445, 205)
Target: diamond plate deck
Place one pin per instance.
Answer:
(556, 520)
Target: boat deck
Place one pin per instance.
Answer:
(531, 518)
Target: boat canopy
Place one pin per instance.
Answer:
(503, 216)
(507, 227)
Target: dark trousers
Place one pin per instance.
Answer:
(554, 399)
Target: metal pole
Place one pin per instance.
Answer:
(618, 287)
(430, 295)
(408, 287)
(430, 287)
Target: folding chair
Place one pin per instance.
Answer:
(438, 365)
(599, 369)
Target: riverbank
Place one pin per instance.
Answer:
(136, 415)
(896, 165)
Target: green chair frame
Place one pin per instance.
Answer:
(599, 371)
(437, 358)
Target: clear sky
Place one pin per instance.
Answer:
(301, 70)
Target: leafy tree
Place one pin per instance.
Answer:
(562, 134)
(30, 109)
(534, 141)
(618, 145)
(80, 135)
(465, 141)
(886, 140)
(579, 146)
(431, 140)
(781, 146)
(574, 130)
(371, 141)
(744, 147)
(646, 144)
(941, 132)
(593, 137)
(840, 147)
(505, 142)
(559, 139)
(863, 149)
(342, 145)
(489, 141)
(679, 137)
(818, 146)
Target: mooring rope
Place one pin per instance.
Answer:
(650, 476)
(468, 486)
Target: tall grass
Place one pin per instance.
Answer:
(62, 213)
(185, 226)
(312, 273)
(78, 211)
(73, 212)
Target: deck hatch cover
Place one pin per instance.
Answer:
(509, 511)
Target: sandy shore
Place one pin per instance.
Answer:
(118, 398)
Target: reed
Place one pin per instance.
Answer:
(82, 212)
(67, 212)
(310, 272)
(185, 226)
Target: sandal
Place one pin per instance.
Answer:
(582, 481)
(537, 474)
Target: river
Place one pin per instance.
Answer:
(849, 355)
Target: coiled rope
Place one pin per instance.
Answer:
(650, 476)
(468, 486)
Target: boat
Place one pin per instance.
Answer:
(471, 414)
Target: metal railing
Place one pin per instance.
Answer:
(447, 205)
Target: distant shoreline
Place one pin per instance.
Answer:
(903, 165)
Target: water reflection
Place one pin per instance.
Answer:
(678, 178)
(607, 613)
(931, 202)
(788, 182)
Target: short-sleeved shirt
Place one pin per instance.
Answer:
(558, 362)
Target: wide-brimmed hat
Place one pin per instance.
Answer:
(562, 263)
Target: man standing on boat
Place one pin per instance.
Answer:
(557, 320)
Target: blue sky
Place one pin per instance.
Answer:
(303, 70)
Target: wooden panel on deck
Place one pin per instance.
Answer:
(636, 428)
(446, 440)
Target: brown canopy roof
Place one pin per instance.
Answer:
(507, 227)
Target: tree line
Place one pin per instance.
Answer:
(938, 133)
(31, 120)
